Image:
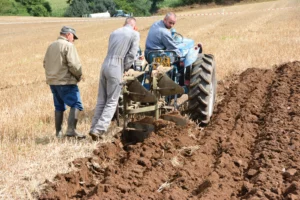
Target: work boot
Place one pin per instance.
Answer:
(97, 135)
(59, 116)
(72, 123)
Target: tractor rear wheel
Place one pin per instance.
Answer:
(202, 91)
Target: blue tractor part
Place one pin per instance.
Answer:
(121, 13)
(191, 73)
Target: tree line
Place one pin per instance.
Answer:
(78, 8)
(25, 7)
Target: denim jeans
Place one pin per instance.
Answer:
(66, 95)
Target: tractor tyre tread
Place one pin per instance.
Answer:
(202, 89)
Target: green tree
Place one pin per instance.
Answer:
(38, 10)
(37, 7)
(227, 2)
(141, 7)
(47, 5)
(137, 7)
(5, 7)
(188, 2)
(10, 7)
(154, 6)
(96, 6)
(77, 8)
(124, 5)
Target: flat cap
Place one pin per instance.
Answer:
(68, 29)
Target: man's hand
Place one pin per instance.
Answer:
(81, 78)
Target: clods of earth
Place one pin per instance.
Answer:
(250, 150)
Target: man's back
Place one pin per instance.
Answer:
(120, 41)
(123, 44)
(154, 38)
(62, 63)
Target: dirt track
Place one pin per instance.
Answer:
(249, 151)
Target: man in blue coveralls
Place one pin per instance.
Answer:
(159, 36)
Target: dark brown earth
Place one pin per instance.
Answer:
(250, 150)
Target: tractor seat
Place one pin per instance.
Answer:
(161, 53)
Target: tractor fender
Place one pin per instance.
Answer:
(191, 56)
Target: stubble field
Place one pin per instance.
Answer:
(257, 35)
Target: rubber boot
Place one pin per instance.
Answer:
(96, 136)
(59, 116)
(72, 123)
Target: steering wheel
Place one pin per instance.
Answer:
(178, 38)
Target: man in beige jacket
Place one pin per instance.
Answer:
(63, 72)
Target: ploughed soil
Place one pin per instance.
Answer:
(250, 150)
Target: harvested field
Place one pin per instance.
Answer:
(251, 150)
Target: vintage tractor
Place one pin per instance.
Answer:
(154, 88)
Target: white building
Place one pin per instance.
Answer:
(100, 15)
